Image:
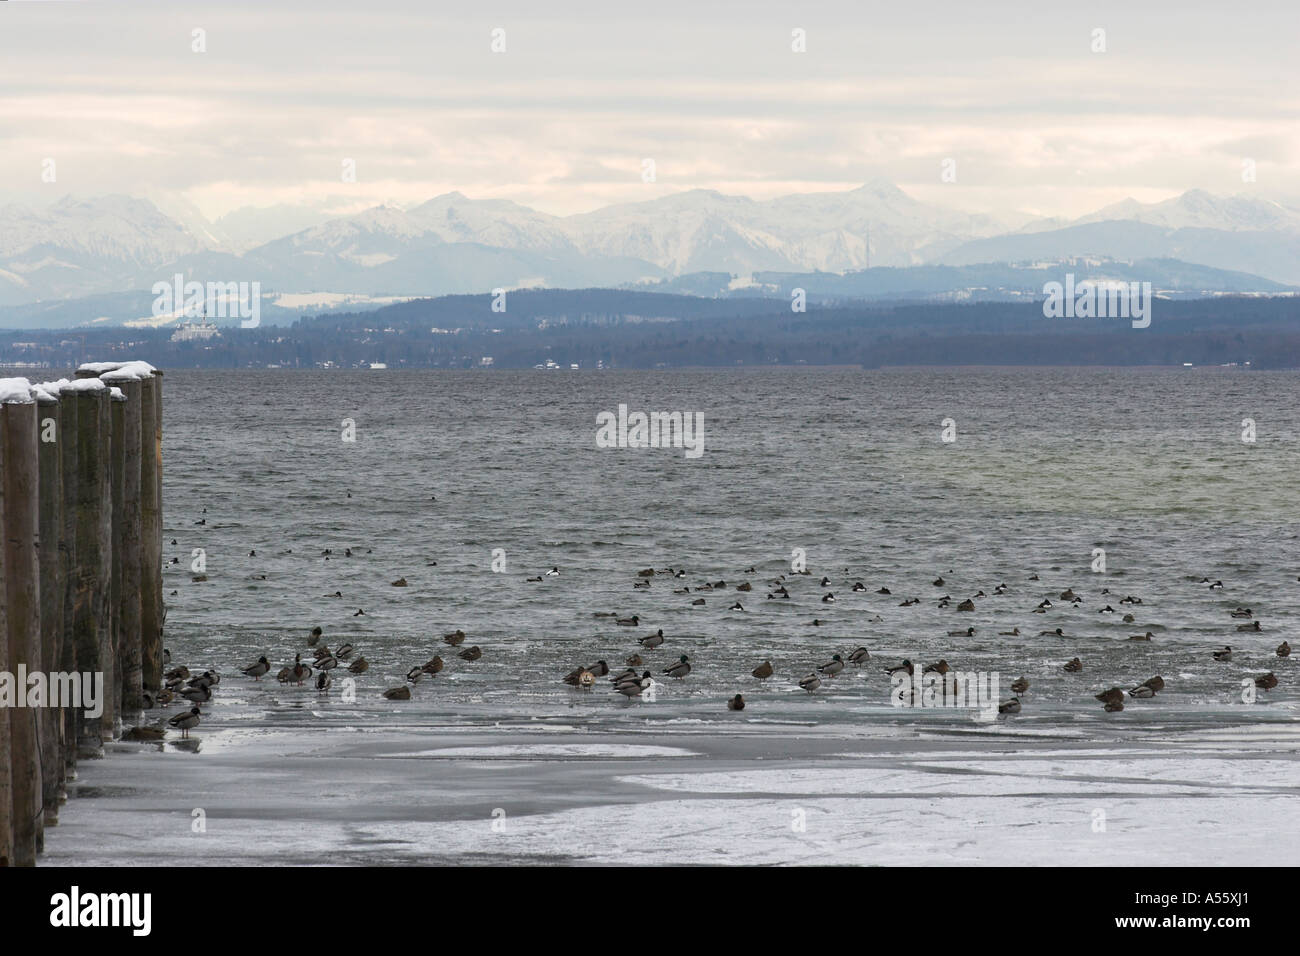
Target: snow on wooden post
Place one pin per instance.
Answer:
(20, 501)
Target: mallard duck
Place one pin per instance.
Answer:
(201, 694)
(433, 665)
(471, 654)
(1019, 686)
(344, 651)
(398, 693)
(206, 679)
(966, 605)
(1267, 682)
(1114, 695)
(940, 667)
(634, 660)
(326, 663)
(318, 653)
(651, 641)
(323, 680)
(1141, 637)
(179, 673)
(833, 666)
(810, 683)
(1113, 706)
(580, 677)
(744, 586)
(314, 636)
(680, 669)
(301, 671)
(905, 666)
(1011, 706)
(1223, 655)
(185, 721)
(623, 676)
(1156, 683)
(359, 666)
(860, 656)
(1284, 649)
(144, 732)
(1241, 612)
(257, 669)
(763, 671)
(455, 638)
(1142, 692)
(634, 687)
(1252, 626)
(1073, 666)
(1014, 632)
(1056, 633)
(399, 583)
(969, 632)
(736, 703)
(632, 621)
(285, 675)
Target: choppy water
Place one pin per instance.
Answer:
(1048, 464)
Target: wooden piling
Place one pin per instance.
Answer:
(6, 753)
(151, 532)
(68, 568)
(93, 523)
(117, 532)
(53, 547)
(127, 544)
(19, 434)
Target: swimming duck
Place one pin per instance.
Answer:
(455, 638)
(1216, 585)
(810, 683)
(1252, 626)
(680, 669)
(1241, 612)
(1056, 633)
(1129, 619)
(939, 668)
(737, 606)
(826, 582)
(1068, 595)
(937, 582)
(1073, 666)
(697, 602)
(736, 703)
(969, 632)
(640, 584)
(553, 573)
(257, 669)
(1046, 604)
(1014, 632)
(398, 693)
(1267, 682)
(884, 591)
(471, 654)
(632, 621)
(828, 598)
(185, 721)
(653, 640)
(1223, 655)
(1106, 610)
(1141, 637)
(859, 586)
(908, 602)
(535, 580)
(1284, 649)
(1011, 706)
(686, 590)
(323, 680)
(905, 666)
(745, 587)
(860, 656)
(966, 605)
(763, 671)
(399, 583)
(1019, 686)
(359, 666)
(833, 666)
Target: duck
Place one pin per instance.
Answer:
(178, 673)
(884, 591)
(736, 703)
(966, 605)
(398, 693)
(941, 667)
(301, 671)
(185, 721)
(1156, 683)
(1014, 632)
(1267, 682)
(1073, 665)
(1056, 633)
(1068, 595)
(206, 679)
(859, 587)
(327, 662)
(554, 572)
(1223, 655)
(344, 652)
(860, 656)
(1129, 619)
(1020, 686)
(1112, 706)
(1142, 692)
(969, 632)
(651, 641)
(937, 582)
(632, 621)
(580, 677)
(432, 666)
(810, 683)
(828, 598)
(359, 666)
(635, 686)
(284, 675)
(634, 660)
(323, 680)
(763, 671)
(826, 582)
(1141, 637)
(624, 676)
(680, 669)
(257, 669)
(1252, 626)
(399, 583)
(738, 607)
(640, 584)
(905, 666)
(1106, 610)
(697, 602)
(201, 694)
(1216, 585)
(1284, 649)
(455, 638)
(471, 654)
(833, 666)
(1011, 706)
(1114, 695)
(1241, 612)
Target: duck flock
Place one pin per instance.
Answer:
(651, 652)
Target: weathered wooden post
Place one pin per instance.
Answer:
(22, 583)
(48, 410)
(129, 561)
(116, 480)
(151, 532)
(94, 517)
(6, 750)
(69, 565)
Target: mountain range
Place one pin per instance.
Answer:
(111, 246)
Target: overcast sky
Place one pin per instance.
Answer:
(1033, 118)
